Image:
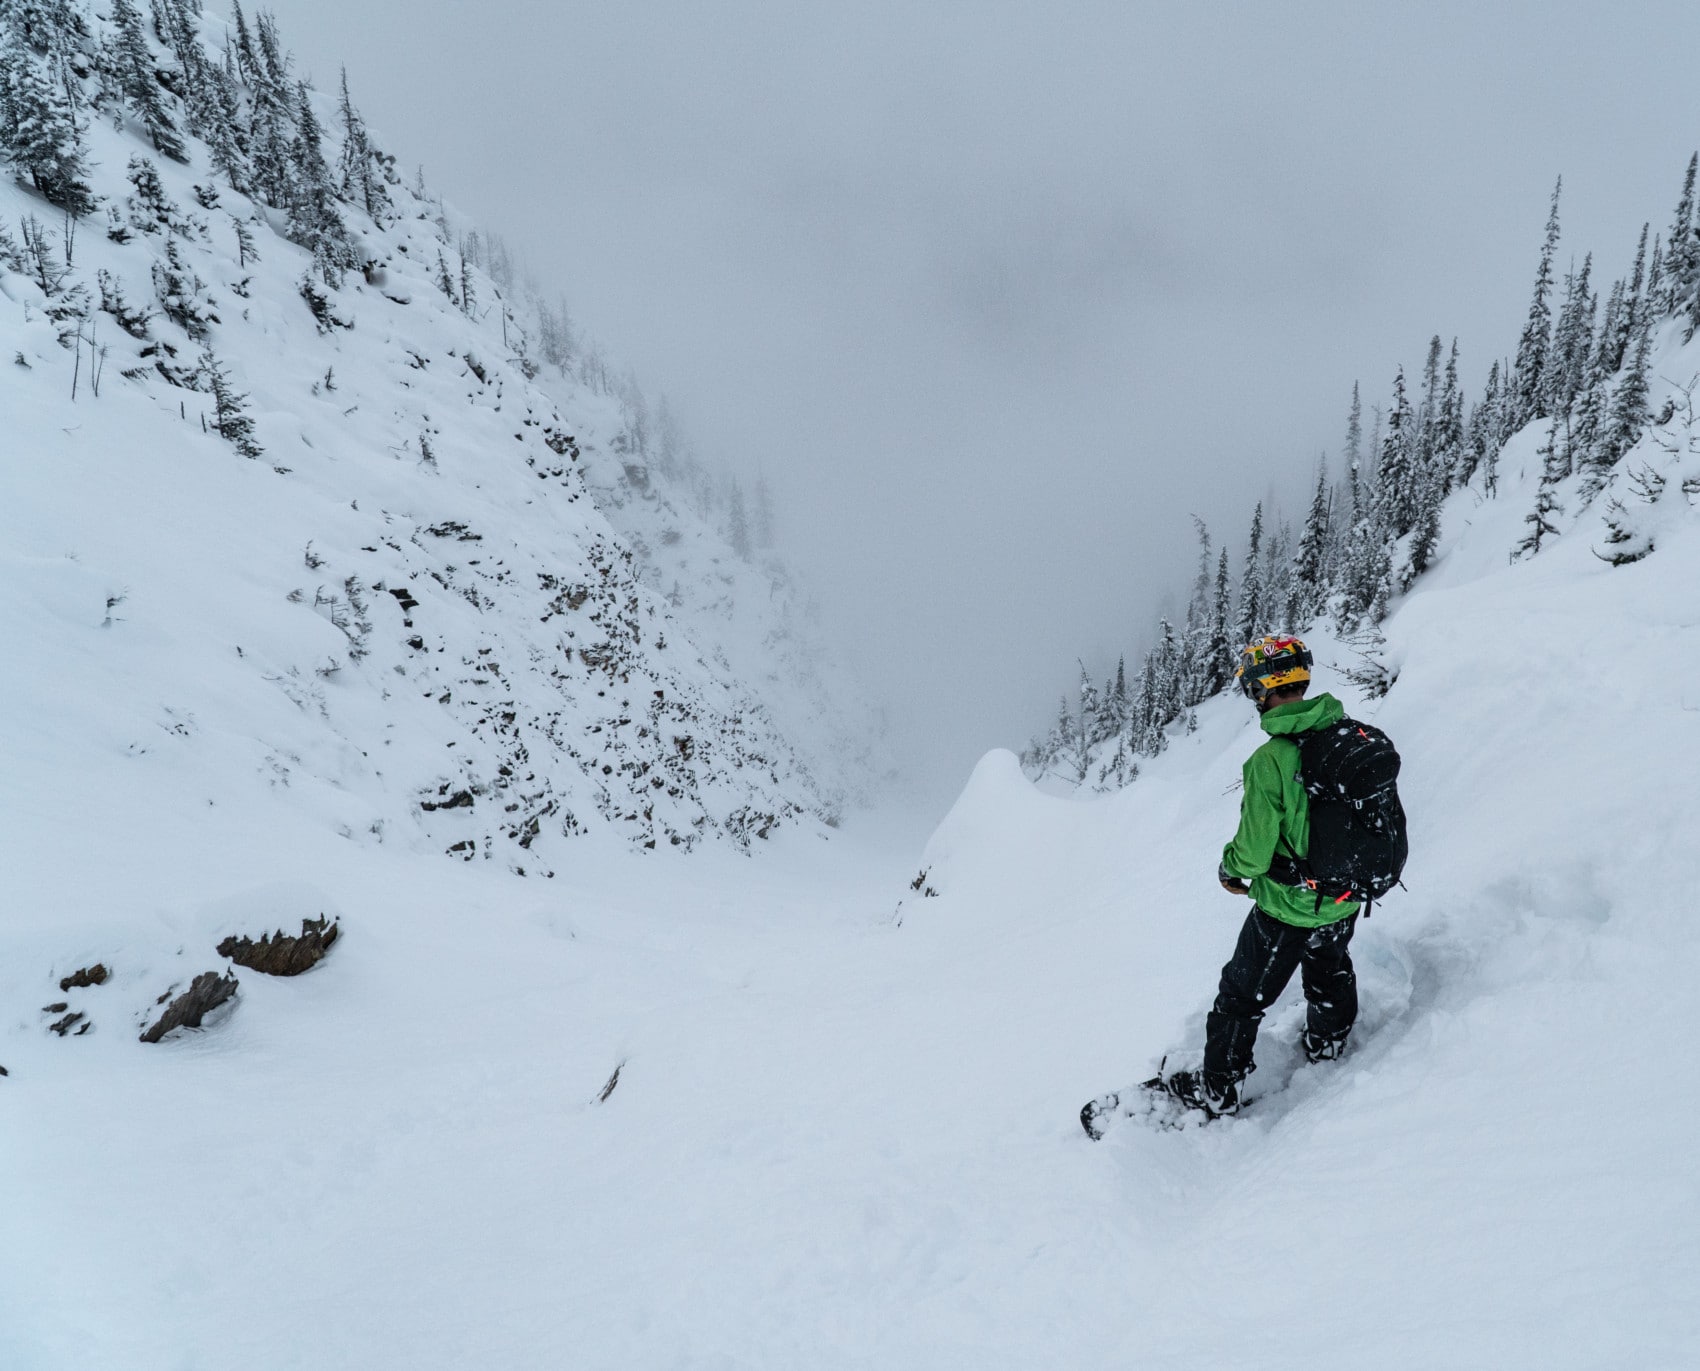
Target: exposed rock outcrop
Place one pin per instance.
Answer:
(280, 954)
(205, 993)
(86, 976)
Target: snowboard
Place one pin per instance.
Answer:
(1150, 1102)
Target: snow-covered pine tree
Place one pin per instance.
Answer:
(1148, 705)
(1425, 527)
(1628, 413)
(246, 249)
(313, 219)
(1609, 347)
(1541, 519)
(231, 420)
(1572, 341)
(556, 341)
(53, 27)
(247, 55)
(1636, 308)
(1310, 561)
(1449, 441)
(1481, 438)
(182, 295)
(1277, 573)
(273, 59)
(1530, 365)
(151, 210)
(40, 138)
(132, 320)
(1218, 651)
(1396, 471)
(468, 298)
(223, 127)
(131, 62)
(1253, 608)
(738, 522)
(444, 280)
(1681, 277)
(359, 167)
(1425, 436)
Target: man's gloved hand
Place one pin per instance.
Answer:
(1232, 884)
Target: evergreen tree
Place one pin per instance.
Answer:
(468, 300)
(131, 61)
(738, 523)
(231, 420)
(1481, 432)
(1218, 651)
(1532, 346)
(1449, 438)
(246, 249)
(1147, 707)
(40, 138)
(1681, 284)
(182, 295)
(444, 281)
(313, 219)
(1426, 435)
(1636, 308)
(247, 55)
(1252, 607)
(556, 327)
(1541, 519)
(273, 60)
(1354, 461)
(1395, 473)
(1277, 573)
(223, 130)
(1628, 414)
(358, 169)
(1572, 341)
(1609, 347)
(1425, 527)
(1310, 562)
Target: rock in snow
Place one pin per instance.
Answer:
(280, 954)
(206, 993)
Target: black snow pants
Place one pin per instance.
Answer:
(1264, 960)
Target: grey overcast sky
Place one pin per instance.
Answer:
(999, 294)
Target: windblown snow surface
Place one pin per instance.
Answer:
(843, 1132)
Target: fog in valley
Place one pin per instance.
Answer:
(998, 296)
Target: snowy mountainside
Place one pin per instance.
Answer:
(1499, 1172)
(469, 653)
(1598, 377)
(848, 1139)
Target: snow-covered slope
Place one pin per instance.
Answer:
(842, 1136)
(407, 611)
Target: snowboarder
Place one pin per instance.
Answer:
(1290, 927)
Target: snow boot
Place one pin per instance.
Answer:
(1215, 1096)
(1320, 1049)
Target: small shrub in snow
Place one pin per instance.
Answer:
(182, 295)
(132, 320)
(151, 210)
(230, 408)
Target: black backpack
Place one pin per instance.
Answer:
(1350, 771)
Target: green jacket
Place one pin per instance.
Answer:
(1275, 815)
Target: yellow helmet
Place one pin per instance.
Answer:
(1273, 662)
